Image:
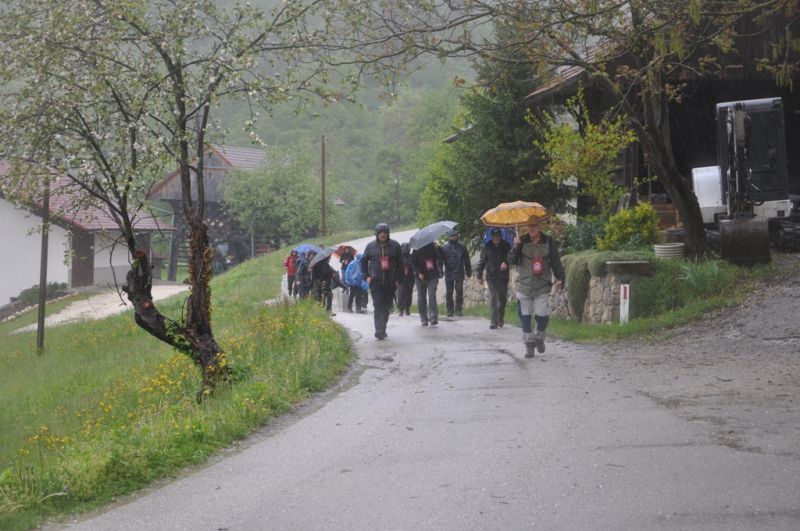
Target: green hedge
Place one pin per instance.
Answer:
(675, 284)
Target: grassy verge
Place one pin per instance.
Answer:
(676, 293)
(590, 333)
(31, 315)
(108, 409)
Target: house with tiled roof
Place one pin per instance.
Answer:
(84, 248)
(220, 161)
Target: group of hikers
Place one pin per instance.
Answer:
(389, 271)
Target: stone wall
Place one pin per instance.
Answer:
(602, 301)
(475, 293)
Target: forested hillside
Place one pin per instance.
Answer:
(379, 141)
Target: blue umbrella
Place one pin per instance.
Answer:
(430, 234)
(506, 234)
(304, 248)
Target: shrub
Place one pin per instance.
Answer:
(577, 276)
(30, 296)
(583, 235)
(677, 283)
(662, 292)
(707, 278)
(630, 229)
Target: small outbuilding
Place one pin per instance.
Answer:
(85, 247)
(219, 162)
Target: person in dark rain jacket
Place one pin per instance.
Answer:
(457, 267)
(406, 288)
(427, 265)
(303, 279)
(324, 280)
(494, 260)
(381, 265)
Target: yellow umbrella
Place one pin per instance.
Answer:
(514, 214)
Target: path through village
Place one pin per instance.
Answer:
(450, 427)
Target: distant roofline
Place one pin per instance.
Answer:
(219, 149)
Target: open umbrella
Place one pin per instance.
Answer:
(430, 234)
(513, 214)
(305, 247)
(322, 255)
(344, 249)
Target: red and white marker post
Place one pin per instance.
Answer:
(624, 302)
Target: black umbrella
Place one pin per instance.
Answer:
(322, 255)
(430, 234)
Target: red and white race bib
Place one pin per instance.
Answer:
(429, 264)
(384, 263)
(538, 265)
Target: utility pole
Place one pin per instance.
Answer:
(43, 267)
(396, 197)
(323, 228)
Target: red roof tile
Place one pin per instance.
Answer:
(566, 75)
(73, 206)
(561, 79)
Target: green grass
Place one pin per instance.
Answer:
(681, 291)
(591, 333)
(108, 409)
(642, 327)
(31, 316)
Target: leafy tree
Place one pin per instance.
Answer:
(278, 202)
(410, 134)
(376, 147)
(493, 161)
(116, 92)
(588, 153)
(639, 52)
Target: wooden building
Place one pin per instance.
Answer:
(218, 164)
(692, 120)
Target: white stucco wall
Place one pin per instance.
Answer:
(20, 242)
(108, 256)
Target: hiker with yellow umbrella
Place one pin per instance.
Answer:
(536, 256)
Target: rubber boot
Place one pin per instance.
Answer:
(539, 339)
(541, 326)
(530, 344)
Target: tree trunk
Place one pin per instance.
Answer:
(654, 135)
(194, 338)
(682, 196)
(209, 355)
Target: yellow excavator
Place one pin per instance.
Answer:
(745, 199)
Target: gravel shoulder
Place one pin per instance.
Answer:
(736, 372)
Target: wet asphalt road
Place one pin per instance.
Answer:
(449, 427)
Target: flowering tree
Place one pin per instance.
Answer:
(115, 92)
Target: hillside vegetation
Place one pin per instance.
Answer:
(108, 409)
